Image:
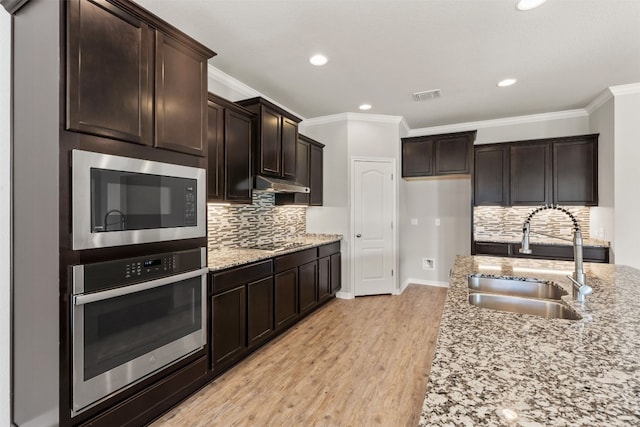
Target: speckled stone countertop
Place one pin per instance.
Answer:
(541, 240)
(547, 372)
(220, 259)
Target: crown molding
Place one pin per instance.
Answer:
(461, 127)
(231, 82)
(599, 101)
(629, 89)
(247, 91)
(361, 117)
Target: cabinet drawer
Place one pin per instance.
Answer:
(329, 249)
(286, 262)
(229, 279)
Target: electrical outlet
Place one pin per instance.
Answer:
(437, 222)
(414, 221)
(428, 264)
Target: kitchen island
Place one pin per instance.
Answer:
(497, 368)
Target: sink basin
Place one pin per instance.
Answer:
(537, 307)
(526, 288)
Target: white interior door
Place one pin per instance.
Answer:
(373, 215)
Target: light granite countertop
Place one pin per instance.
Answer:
(542, 240)
(226, 257)
(547, 372)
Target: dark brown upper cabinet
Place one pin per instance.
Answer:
(181, 97)
(529, 173)
(316, 174)
(275, 139)
(491, 175)
(309, 163)
(575, 171)
(134, 78)
(229, 171)
(437, 155)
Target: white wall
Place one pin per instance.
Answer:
(627, 176)
(602, 224)
(333, 216)
(346, 136)
(5, 217)
(424, 201)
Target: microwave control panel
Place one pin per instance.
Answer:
(190, 206)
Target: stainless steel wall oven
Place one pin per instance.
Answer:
(132, 317)
(121, 201)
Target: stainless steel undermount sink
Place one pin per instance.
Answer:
(537, 307)
(520, 295)
(526, 288)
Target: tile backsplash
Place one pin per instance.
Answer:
(248, 225)
(492, 221)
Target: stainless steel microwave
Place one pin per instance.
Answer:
(122, 201)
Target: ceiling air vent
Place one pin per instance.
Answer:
(426, 95)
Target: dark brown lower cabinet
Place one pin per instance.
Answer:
(228, 325)
(324, 278)
(308, 286)
(259, 311)
(286, 297)
(336, 272)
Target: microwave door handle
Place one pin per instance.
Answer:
(126, 290)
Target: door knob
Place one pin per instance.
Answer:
(358, 235)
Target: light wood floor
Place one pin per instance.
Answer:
(358, 362)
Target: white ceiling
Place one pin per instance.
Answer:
(564, 54)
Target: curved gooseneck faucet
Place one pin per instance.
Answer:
(580, 289)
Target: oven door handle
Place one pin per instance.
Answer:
(126, 290)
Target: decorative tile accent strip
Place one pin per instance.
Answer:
(506, 222)
(249, 225)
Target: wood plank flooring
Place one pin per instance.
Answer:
(358, 362)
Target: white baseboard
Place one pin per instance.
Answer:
(345, 295)
(424, 283)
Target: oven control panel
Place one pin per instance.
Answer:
(109, 274)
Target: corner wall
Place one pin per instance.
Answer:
(626, 178)
(5, 217)
(602, 122)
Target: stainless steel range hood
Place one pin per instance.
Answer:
(275, 185)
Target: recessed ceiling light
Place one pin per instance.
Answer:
(528, 4)
(507, 82)
(318, 60)
(365, 107)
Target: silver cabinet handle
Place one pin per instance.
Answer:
(99, 296)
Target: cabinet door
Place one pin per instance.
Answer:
(315, 175)
(181, 97)
(575, 172)
(336, 273)
(215, 151)
(417, 158)
(259, 310)
(286, 297)
(491, 176)
(302, 170)
(238, 176)
(109, 72)
(308, 286)
(228, 325)
(269, 153)
(289, 144)
(324, 278)
(452, 155)
(530, 174)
